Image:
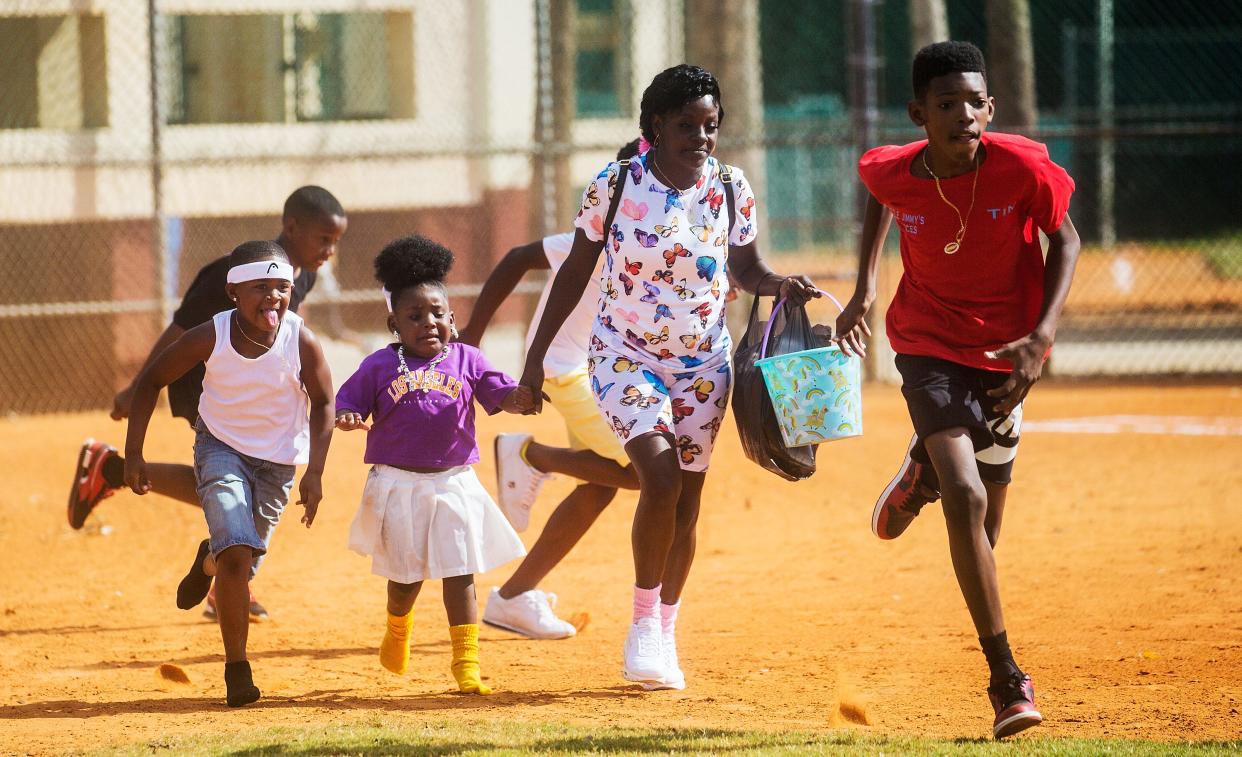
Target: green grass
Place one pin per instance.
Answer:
(1224, 255)
(505, 737)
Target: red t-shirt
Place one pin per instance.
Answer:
(956, 307)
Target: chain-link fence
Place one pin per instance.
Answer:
(140, 139)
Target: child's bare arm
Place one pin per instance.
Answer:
(752, 274)
(571, 281)
(1027, 354)
(317, 379)
(499, 285)
(851, 329)
(192, 348)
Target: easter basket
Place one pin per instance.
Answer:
(787, 330)
(816, 393)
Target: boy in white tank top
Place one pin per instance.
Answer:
(264, 372)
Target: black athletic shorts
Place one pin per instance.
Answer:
(942, 395)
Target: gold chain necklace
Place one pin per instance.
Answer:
(245, 336)
(956, 244)
(655, 166)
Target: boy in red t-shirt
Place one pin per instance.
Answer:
(972, 322)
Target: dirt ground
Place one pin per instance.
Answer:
(1119, 570)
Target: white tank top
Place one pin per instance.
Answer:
(258, 406)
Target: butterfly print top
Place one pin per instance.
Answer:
(664, 275)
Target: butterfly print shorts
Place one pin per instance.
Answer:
(637, 396)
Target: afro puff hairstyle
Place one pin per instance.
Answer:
(673, 88)
(410, 262)
(943, 58)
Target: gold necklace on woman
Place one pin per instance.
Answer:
(956, 244)
(655, 166)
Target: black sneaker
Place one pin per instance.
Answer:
(194, 587)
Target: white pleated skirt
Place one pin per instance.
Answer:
(417, 526)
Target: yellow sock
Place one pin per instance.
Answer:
(395, 648)
(466, 659)
(522, 452)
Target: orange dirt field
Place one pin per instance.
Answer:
(1119, 568)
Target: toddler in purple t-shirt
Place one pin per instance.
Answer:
(424, 513)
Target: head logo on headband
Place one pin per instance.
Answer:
(260, 269)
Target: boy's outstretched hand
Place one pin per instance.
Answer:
(351, 421)
(310, 492)
(1027, 356)
(852, 327)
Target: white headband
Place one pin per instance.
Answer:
(387, 298)
(260, 269)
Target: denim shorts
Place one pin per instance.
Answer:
(242, 496)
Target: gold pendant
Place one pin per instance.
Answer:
(951, 248)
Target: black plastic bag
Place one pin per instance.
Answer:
(752, 407)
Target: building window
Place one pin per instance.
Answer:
(54, 74)
(602, 63)
(286, 68)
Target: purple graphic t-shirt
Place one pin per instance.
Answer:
(428, 421)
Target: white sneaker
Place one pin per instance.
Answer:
(529, 614)
(644, 654)
(675, 678)
(672, 677)
(517, 482)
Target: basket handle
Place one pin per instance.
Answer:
(767, 331)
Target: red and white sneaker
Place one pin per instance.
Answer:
(1014, 703)
(89, 486)
(904, 497)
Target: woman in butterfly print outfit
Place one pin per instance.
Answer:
(663, 393)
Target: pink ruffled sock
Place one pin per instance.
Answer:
(668, 617)
(646, 603)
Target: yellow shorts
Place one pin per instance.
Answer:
(571, 396)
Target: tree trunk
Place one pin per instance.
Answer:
(929, 22)
(1011, 64)
(723, 38)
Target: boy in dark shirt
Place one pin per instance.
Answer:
(312, 224)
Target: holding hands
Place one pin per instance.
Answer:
(532, 382)
(521, 400)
